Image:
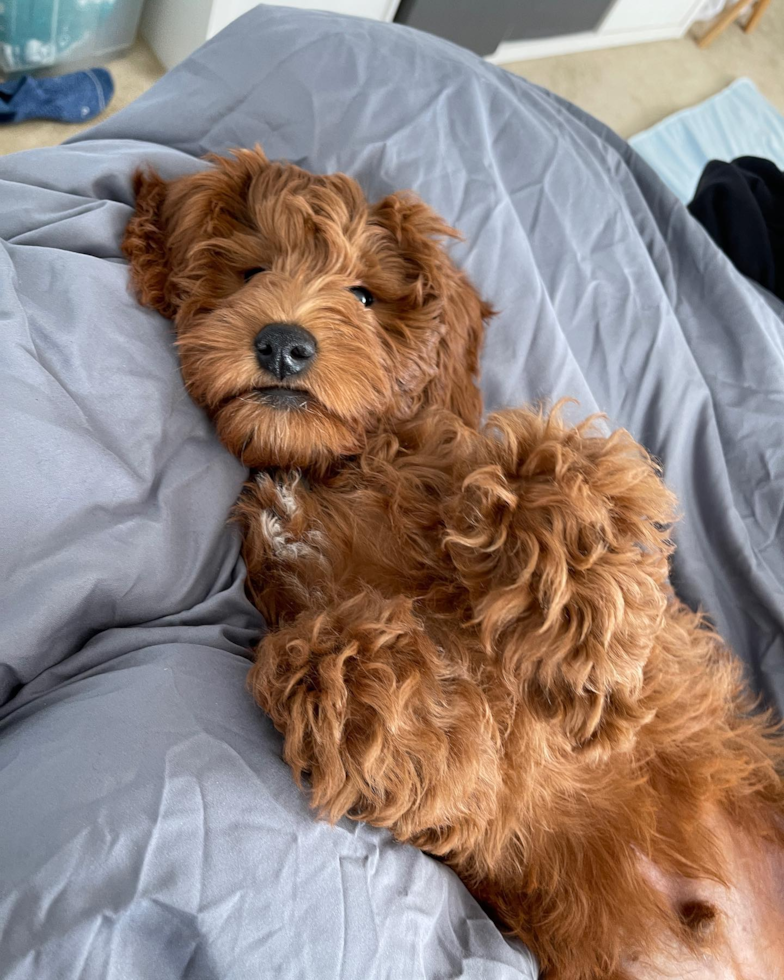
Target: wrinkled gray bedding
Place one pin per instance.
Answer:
(148, 828)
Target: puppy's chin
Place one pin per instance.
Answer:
(263, 432)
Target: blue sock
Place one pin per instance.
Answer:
(76, 97)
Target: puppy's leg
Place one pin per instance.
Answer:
(560, 537)
(387, 726)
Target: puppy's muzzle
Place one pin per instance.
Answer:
(284, 349)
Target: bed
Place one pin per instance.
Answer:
(149, 826)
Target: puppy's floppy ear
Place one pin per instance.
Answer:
(439, 292)
(173, 217)
(415, 227)
(455, 383)
(144, 244)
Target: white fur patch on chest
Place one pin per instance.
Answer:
(275, 523)
(280, 541)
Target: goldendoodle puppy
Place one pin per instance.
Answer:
(472, 639)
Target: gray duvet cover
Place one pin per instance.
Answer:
(148, 828)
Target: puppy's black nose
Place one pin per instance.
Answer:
(284, 349)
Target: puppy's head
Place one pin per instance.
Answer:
(305, 317)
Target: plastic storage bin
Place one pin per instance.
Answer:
(40, 33)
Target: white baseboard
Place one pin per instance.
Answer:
(549, 47)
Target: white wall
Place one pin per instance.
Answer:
(175, 29)
(225, 11)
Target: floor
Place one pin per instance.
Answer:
(133, 74)
(629, 88)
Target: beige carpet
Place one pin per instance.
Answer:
(631, 88)
(133, 74)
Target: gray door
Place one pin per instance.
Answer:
(481, 25)
(549, 18)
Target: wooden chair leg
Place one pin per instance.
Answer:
(756, 15)
(730, 14)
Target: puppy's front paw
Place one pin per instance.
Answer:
(385, 727)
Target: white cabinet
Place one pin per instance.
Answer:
(175, 28)
(628, 16)
(626, 22)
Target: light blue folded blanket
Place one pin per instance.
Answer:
(738, 121)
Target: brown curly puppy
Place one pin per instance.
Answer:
(472, 637)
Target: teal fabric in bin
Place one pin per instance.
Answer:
(737, 122)
(38, 33)
(33, 33)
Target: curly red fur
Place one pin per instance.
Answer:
(472, 640)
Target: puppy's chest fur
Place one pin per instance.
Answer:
(374, 524)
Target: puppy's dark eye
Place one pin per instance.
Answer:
(250, 273)
(364, 296)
